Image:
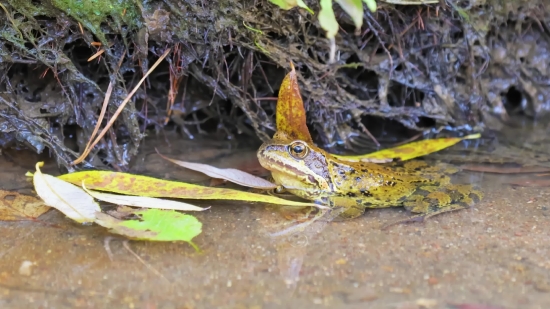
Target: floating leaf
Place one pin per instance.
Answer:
(155, 224)
(411, 150)
(291, 115)
(142, 201)
(130, 184)
(15, 206)
(229, 174)
(354, 8)
(71, 200)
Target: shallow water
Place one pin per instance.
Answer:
(495, 254)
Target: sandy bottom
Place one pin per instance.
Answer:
(496, 254)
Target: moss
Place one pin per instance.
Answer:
(91, 13)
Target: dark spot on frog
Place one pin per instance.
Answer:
(422, 192)
(358, 179)
(351, 194)
(365, 193)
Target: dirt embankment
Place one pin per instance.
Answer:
(411, 68)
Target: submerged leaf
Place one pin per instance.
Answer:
(291, 115)
(148, 186)
(155, 224)
(71, 200)
(142, 201)
(15, 206)
(229, 174)
(503, 169)
(411, 150)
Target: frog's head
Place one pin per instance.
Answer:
(295, 164)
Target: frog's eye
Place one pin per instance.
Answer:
(298, 150)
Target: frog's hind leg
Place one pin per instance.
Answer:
(431, 201)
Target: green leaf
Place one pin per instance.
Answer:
(354, 8)
(289, 4)
(283, 4)
(301, 4)
(155, 224)
(371, 4)
(327, 20)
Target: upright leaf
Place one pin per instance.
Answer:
(371, 4)
(291, 114)
(354, 8)
(327, 20)
(289, 4)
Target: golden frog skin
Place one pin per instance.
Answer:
(313, 174)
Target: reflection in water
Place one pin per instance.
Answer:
(291, 243)
(496, 254)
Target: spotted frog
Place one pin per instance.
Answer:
(311, 173)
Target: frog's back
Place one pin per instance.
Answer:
(375, 184)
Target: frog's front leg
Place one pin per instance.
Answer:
(429, 201)
(351, 208)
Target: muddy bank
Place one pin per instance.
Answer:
(410, 68)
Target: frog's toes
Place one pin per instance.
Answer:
(352, 212)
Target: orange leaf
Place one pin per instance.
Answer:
(15, 206)
(291, 115)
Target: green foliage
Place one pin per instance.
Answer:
(91, 13)
(327, 19)
(354, 8)
(156, 225)
(289, 4)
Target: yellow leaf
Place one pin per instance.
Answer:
(71, 200)
(230, 174)
(131, 184)
(141, 201)
(15, 206)
(291, 115)
(411, 150)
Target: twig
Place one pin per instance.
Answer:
(119, 110)
(151, 268)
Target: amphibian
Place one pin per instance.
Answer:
(309, 172)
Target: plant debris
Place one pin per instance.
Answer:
(15, 206)
(408, 68)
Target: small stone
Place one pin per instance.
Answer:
(26, 268)
(433, 281)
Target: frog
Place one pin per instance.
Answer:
(311, 173)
